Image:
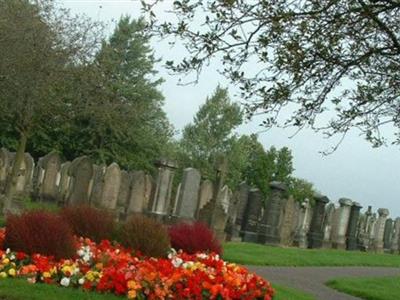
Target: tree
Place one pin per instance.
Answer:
(336, 60)
(301, 190)
(211, 133)
(41, 49)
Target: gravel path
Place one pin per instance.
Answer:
(312, 279)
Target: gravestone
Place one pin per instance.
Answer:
(51, 165)
(206, 194)
(395, 247)
(364, 230)
(178, 192)
(65, 181)
(189, 194)
(149, 191)
(351, 234)
(136, 203)
(162, 196)
(241, 208)
(387, 235)
(81, 172)
(327, 225)
(289, 217)
(24, 174)
(315, 235)
(5, 165)
(112, 183)
(273, 213)
(303, 224)
(123, 194)
(339, 237)
(372, 226)
(252, 216)
(97, 185)
(378, 230)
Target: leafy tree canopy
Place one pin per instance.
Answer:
(337, 57)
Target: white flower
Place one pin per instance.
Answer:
(8, 251)
(188, 264)
(176, 262)
(12, 257)
(202, 255)
(86, 257)
(80, 252)
(81, 281)
(65, 281)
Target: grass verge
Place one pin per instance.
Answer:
(255, 254)
(20, 289)
(285, 293)
(382, 288)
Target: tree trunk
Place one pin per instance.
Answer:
(13, 177)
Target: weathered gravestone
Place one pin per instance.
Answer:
(341, 224)
(251, 216)
(387, 234)
(112, 183)
(24, 174)
(315, 235)
(395, 247)
(273, 213)
(81, 172)
(351, 235)
(206, 194)
(123, 194)
(137, 202)
(65, 181)
(289, 217)
(303, 225)
(378, 230)
(5, 165)
(189, 194)
(327, 225)
(51, 165)
(162, 196)
(364, 230)
(243, 194)
(97, 185)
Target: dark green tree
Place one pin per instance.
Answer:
(311, 56)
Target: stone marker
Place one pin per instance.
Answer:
(289, 217)
(252, 216)
(5, 165)
(387, 235)
(51, 164)
(81, 172)
(395, 247)
(273, 213)
(315, 234)
(136, 203)
(378, 230)
(65, 181)
(189, 194)
(162, 196)
(339, 237)
(364, 230)
(351, 235)
(242, 203)
(329, 222)
(97, 185)
(124, 194)
(112, 183)
(303, 225)
(206, 194)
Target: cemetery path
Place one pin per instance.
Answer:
(313, 279)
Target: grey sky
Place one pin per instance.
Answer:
(356, 170)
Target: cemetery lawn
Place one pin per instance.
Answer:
(261, 255)
(285, 293)
(384, 288)
(20, 289)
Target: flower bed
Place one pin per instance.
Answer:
(107, 267)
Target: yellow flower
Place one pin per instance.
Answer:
(6, 261)
(67, 269)
(12, 272)
(46, 274)
(132, 294)
(3, 275)
(133, 285)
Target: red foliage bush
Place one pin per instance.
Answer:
(89, 222)
(39, 232)
(192, 238)
(146, 235)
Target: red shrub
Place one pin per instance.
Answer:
(39, 232)
(192, 238)
(89, 222)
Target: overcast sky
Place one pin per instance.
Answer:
(356, 170)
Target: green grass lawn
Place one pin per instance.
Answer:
(20, 289)
(285, 293)
(383, 288)
(255, 254)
